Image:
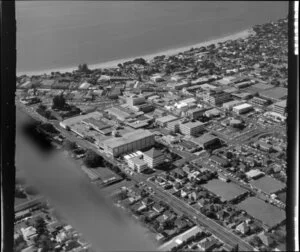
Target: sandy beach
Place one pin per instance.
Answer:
(169, 52)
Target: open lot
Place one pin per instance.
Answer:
(268, 214)
(268, 184)
(227, 191)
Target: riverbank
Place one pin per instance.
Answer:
(110, 64)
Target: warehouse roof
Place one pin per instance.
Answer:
(153, 153)
(242, 106)
(166, 119)
(127, 138)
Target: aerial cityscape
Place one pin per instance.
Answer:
(191, 146)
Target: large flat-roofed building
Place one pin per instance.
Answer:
(216, 97)
(132, 141)
(153, 157)
(98, 125)
(274, 94)
(191, 128)
(163, 121)
(242, 108)
(280, 107)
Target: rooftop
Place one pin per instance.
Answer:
(166, 119)
(127, 138)
(153, 153)
(281, 104)
(242, 106)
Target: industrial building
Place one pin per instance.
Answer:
(153, 157)
(216, 97)
(191, 128)
(98, 125)
(132, 141)
(242, 108)
(280, 107)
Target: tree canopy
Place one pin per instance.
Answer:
(59, 102)
(92, 159)
(69, 145)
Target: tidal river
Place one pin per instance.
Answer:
(76, 199)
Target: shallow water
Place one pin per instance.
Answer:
(54, 34)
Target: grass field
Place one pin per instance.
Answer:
(268, 184)
(227, 191)
(268, 214)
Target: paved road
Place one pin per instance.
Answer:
(221, 232)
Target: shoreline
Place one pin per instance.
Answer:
(168, 52)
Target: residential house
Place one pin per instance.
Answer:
(266, 239)
(207, 244)
(243, 228)
(157, 207)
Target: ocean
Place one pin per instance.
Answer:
(54, 35)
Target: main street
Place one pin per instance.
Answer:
(219, 231)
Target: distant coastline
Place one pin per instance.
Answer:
(113, 63)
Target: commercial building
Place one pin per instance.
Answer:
(191, 128)
(280, 107)
(229, 105)
(174, 125)
(118, 113)
(132, 141)
(216, 97)
(163, 121)
(135, 100)
(196, 113)
(259, 101)
(135, 161)
(242, 108)
(153, 157)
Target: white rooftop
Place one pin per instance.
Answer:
(242, 106)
